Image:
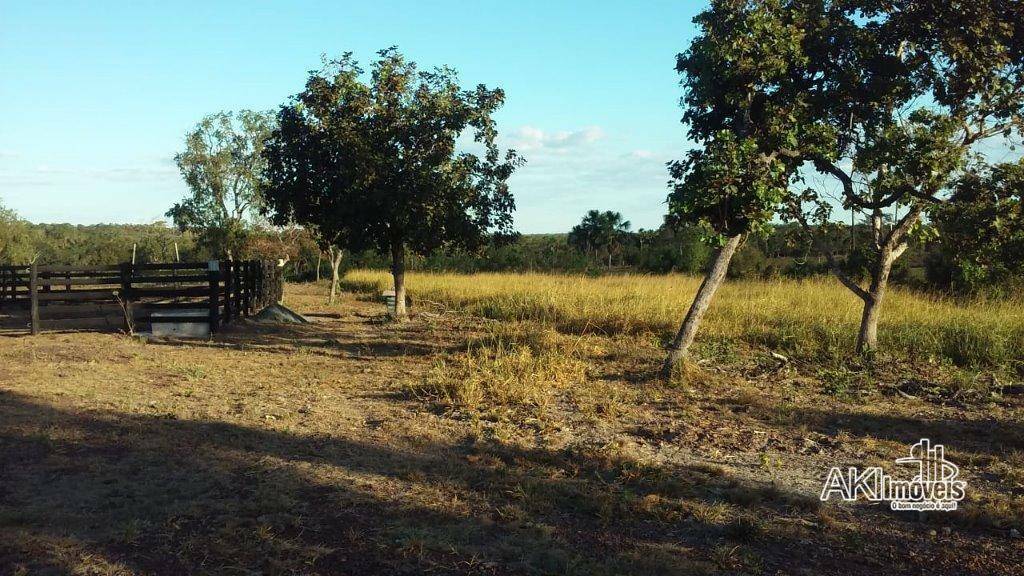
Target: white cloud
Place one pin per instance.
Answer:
(567, 173)
(532, 138)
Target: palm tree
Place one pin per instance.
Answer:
(600, 230)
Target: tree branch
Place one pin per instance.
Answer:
(971, 138)
(825, 165)
(827, 251)
(895, 237)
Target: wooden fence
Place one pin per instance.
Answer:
(126, 295)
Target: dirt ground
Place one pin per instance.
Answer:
(306, 449)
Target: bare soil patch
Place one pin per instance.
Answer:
(320, 449)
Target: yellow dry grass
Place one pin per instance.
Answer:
(511, 365)
(815, 318)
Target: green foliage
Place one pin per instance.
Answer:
(889, 99)
(373, 163)
(604, 231)
(902, 93)
(749, 262)
(728, 186)
(732, 73)
(781, 253)
(982, 231)
(222, 164)
(670, 249)
(99, 244)
(656, 251)
(911, 158)
(16, 246)
(742, 56)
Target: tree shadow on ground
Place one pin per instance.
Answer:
(978, 436)
(106, 492)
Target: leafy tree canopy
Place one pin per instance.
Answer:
(375, 162)
(736, 77)
(888, 99)
(223, 165)
(16, 238)
(599, 230)
(982, 231)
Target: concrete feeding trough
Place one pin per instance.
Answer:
(175, 327)
(390, 300)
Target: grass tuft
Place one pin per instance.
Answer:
(512, 366)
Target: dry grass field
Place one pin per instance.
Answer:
(512, 426)
(815, 319)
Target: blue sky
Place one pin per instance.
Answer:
(97, 96)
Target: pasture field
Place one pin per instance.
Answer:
(815, 319)
(501, 431)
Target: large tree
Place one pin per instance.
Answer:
(907, 93)
(376, 163)
(223, 164)
(734, 75)
(889, 100)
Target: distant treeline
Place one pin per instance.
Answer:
(782, 253)
(22, 242)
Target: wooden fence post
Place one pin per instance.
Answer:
(278, 284)
(259, 284)
(33, 287)
(255, 286)
(229, 274)
(246, 292)
(213, 272)
(263, 284)
(3, 285)
(243, 288)
(127, 270)
(240, 287)
(252, 286)
(47, 287)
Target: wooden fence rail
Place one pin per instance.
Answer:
(70, 297)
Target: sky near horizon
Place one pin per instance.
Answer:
(97, 96)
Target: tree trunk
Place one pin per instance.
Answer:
(867, 336)
(319, 257)
(335, 254)
(681, 345)
(398, 273)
